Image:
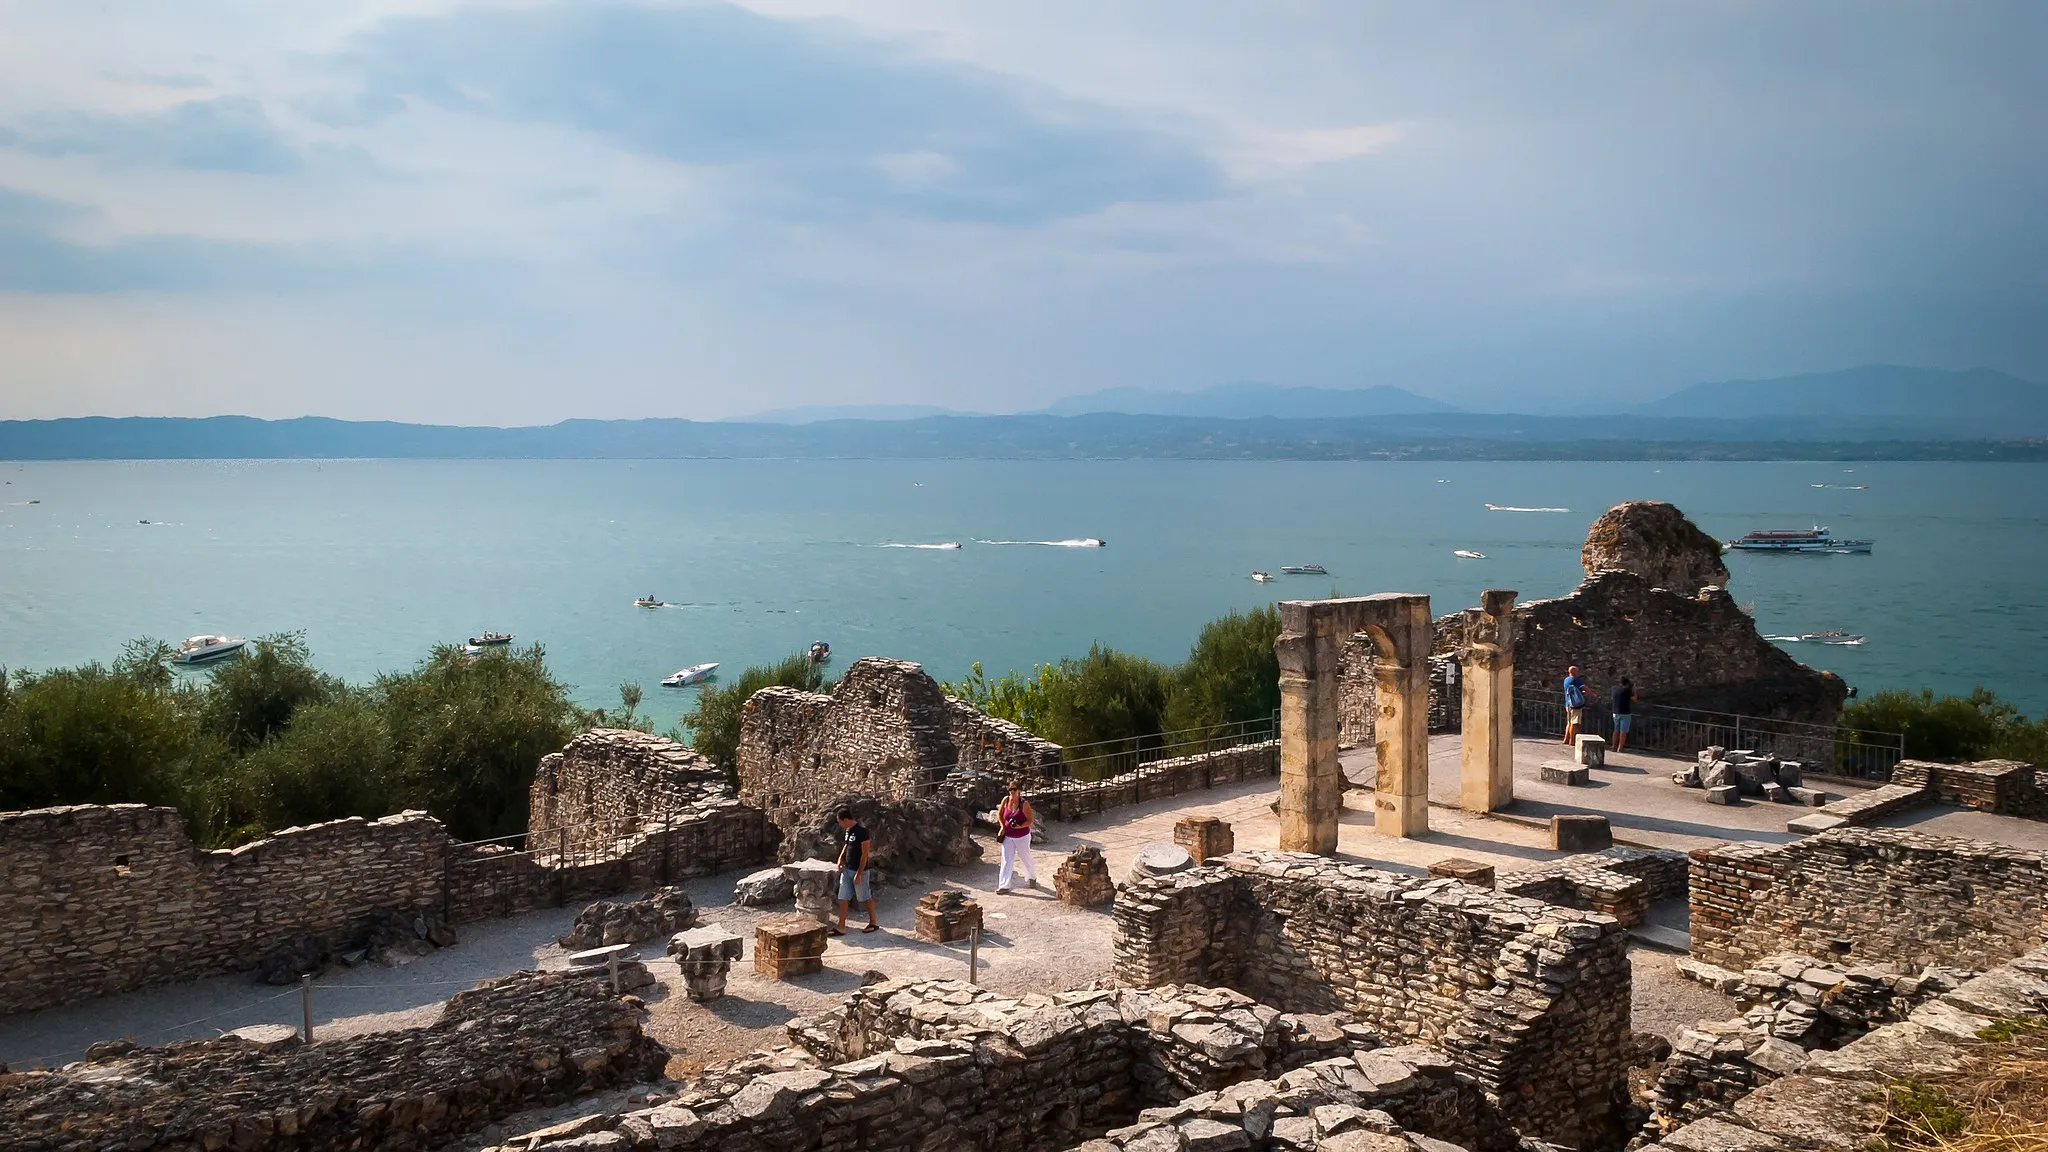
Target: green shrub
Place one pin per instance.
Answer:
(714, 723)
(1231, 676)
(1979, 726)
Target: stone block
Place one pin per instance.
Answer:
(1560, 772)
(1466, 871)
(815, 883)
(1814, 822)
(1083, 879)
(1203, 837)
(705, 955)
(1590, 751)
(946, 915)
(1791, 773)
(1725, 794)
(768, 886)
(1580, 833)
(1777, 792)
(1811, 797)
(789, 945)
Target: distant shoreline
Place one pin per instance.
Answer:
(1433, 437)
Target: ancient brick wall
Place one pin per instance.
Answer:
(1868, 895)
(1159, 780)
(521, 1042)
(2003, 787)
(1621, 881)
(1358, 692)
(940, 1064)
(887, 730)
(103, 898)
(1532, 999)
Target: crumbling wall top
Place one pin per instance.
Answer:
(1656, 541)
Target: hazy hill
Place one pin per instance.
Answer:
(1252, 400)
(1980, 400)
(813, 413)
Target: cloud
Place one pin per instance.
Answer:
(223, 134)
(820, 119)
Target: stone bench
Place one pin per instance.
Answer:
(1567, 774)
(1590, 751)
(789, 945)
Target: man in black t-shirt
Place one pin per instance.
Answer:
(1624, 695)
(855, 846)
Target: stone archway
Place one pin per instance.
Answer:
(1312, 633)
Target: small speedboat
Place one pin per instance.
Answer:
(1304, 569)
(1263, 577)
(694, 674)
(1469, 554)
(648, 601)
(1831, 636)
(490, 639)
(206, 649)
(821, 653)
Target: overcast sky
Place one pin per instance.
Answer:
(516, 213)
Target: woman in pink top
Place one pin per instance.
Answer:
(1015, 818)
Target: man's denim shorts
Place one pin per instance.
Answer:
(848, 890)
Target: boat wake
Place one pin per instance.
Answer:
(948, 546)
(1844, 487)
(1512, 508)
(1088, 542)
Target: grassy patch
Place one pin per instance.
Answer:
(1998, 1103)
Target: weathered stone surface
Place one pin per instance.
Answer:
(1723, 794)
(1203, 837)
(524, 1041)
(1560, 772)
(947, 915)
(1656, 541)
(662, 912)
(1578, 832)
(768, 886)
(1468, 871)
(1083, 879)
(705, 955)
(1620, 881)
(1160, 860)
(1590, 751)
(913, 832)
(786, 946)
(816, 885)
(1529, 997)
(1868, 895)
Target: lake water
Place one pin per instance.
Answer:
(377, 560)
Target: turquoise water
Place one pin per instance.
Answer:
(377, 560)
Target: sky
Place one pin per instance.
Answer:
(515, 213)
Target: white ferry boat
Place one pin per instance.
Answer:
(1815, 539)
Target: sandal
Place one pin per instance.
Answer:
(872, 928)
(831, 931)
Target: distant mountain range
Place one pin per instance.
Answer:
(1980, 398)
(1247, 401)
(1878, 412)
(818, 413)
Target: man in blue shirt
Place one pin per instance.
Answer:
(1574, 703)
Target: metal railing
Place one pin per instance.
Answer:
(1661, 728)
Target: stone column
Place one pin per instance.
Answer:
(1486, 759)
(1310, 781)
(1400, 798)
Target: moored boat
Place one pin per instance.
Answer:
(1304, 569)
(1815, 539)
(694, 674)
(206, 649)
(1263, 577)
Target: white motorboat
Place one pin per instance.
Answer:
(694, 674)
(1469, 554)
(206, 649)
(648, 601)
(1263, 577)
(490, 639)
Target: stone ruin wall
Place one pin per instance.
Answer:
(99, 899)
(1530, 998)
(524, 1041)
(910, 1066)
(2001, 787)
(1159, 780)
(608, 783)
(1869, 895)
(887, 730)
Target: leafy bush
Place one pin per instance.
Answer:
(1231, 676)
(1980, 726)
(715, 721)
